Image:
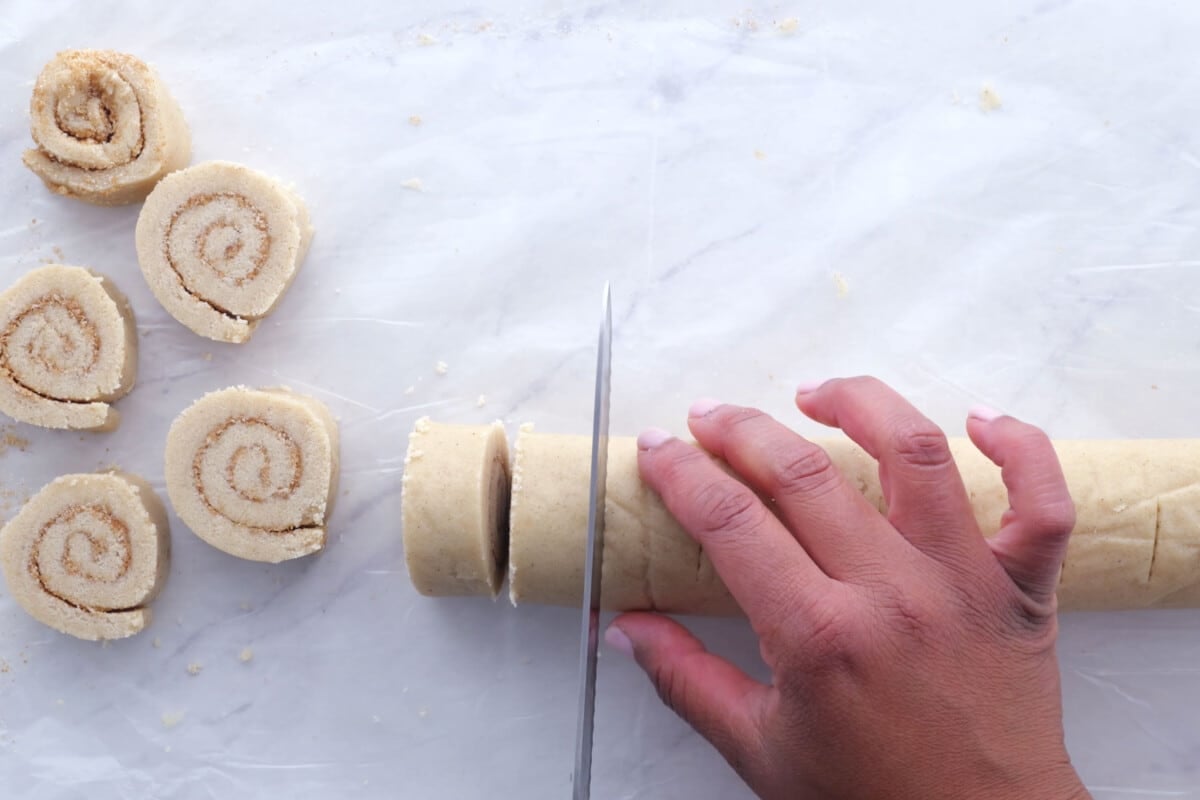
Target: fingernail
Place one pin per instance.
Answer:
(617, 640)
(703, 407)
(652, 438)
(983, 413)
(808, 387)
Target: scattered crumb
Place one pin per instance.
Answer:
(171, 718)
(404, 690)
(482, 401)
(375, 719)
(760, 155)
(415, 120)
(410, 390)
(105, 644)
(425, 40)
(167, 749)
(441, 368)
(58, 253)
(58, 702)
(245, 605)
(345, 492)
(246, 656)
(157, 642)
(10, 440)
(207, 356)
(989, 100)
(421, 425)
(423, 713)
(33, 221)
(414, 184)
(338, 290)
(1154, 386)
(4, 666)
(788, 25)
(483, 26)
(840, 284)
(526, 427)
(194, 668)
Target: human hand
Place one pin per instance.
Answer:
(910, 656)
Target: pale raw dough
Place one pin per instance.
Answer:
(1136, 543)
(106, 130)
(68, 348)
(219, 244)
(87, 554)
(454, 508)
(254, 472)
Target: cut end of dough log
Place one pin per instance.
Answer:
(454, 508)
(219, 244)
(253, 472)
(87, 554)
(105, 128)
(68, 348)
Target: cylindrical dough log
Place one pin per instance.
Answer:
(68, 348)
(219, 244)
(87, 554)
(1136, 542)
(454, 508)
(106, 130)
(254, 472)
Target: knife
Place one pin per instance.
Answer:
(593, 560)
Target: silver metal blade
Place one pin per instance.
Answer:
(590, 625)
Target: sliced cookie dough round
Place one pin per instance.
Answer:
(219, 244)
(87, 554)
(254, 472)
(454, 508)
(68, 348)
(106, 130)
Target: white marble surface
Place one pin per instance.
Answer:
(773, 201)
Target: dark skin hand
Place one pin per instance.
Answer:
(910, 656)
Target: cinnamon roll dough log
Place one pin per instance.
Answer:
(649, 562)
(219, 244)
(87, 554)
(253, 472)
(68, 348)
(1136, 542)
(454, 508)
(105, 128)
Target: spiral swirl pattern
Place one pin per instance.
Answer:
(68, 347)
(253, 472)
(87, 553)
(105, 128)
(219, 244)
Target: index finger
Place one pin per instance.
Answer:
(764, 567)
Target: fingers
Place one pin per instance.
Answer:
(924, 492)
(721, 702)
(1034, 532)
(828, 516)
(765, 569)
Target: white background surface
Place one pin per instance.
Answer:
(721, 169)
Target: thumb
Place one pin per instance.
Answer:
(1033, 534)
(724, 704)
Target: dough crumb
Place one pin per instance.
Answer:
(375, 718)
(482, 401)
(989, 100)
(415, 120)
(414, 184)
(423, 713)
(245, 605)
(246, 656)
(410, 390)
(441, 368)
(425, 40)
(788, 25)
(760, 155)
(157, 643)
(526, 427)
(840, 284)
(172, 718)
(421, 425)
(207, 356)
(11, 441)
(194, 668)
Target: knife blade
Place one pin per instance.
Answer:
(593, 559)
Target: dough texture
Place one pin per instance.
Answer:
(87, 554)
(105, 128)
(454, 508)
(253, 472)
(68, 348)
(1136, 543)
(219, 244)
